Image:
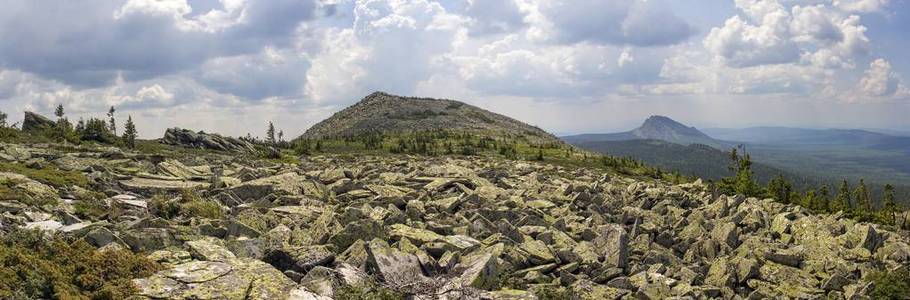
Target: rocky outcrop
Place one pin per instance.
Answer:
(444, 228)
(188, 138)
(385, 113)
(36, 122)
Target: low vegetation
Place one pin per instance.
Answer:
(189, 204)
(33, 266)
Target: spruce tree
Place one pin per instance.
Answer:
(112, 123)
(270, 134)
(842, 202)
(129, 133)
(861, 196)
(888, 202)
(3, 119)
(59, 111)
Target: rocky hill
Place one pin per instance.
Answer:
(656, 128)
(384, 113)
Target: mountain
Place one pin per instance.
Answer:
(812, 138)
(386, 113)
(655, 128)
(697, 160)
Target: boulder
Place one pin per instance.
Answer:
(36, 122)
(613, 245)
(188, 138)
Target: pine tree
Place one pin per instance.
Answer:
(270, 134)
(59, 111)
(129, 133)
(861, 196)
(744, 183)
(3, 119)
(539, 155)
(112, 122)
(281, 136)
(824, 198)
(842, 202)
(888, 201)
(778, 188)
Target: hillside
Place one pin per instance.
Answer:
(390, 114)
(655, 128)
(693, 160)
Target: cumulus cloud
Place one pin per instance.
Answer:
(623, 22)
(494, 16)
(392, 46)
(775, 33)
(136, 39)
(880, 81)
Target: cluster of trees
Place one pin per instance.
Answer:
(856, 202)
(93, 129)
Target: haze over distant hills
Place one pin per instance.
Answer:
(654, 128)
(804, 155)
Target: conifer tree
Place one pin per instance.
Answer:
(112, 123)
(861, 196)
(842, 202)
(129, 133)
(270, 134)
(888, 202)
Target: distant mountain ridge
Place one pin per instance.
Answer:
(381, 112)
(801, 137)
(655, 128)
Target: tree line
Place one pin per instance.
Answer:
(85, 130)
(855, 202)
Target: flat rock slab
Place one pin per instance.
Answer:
(147, 186)
(197, 271)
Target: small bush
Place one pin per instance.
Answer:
(163, 207)
(891, 285)
(367, 291)
(202, 208)
(35, 267)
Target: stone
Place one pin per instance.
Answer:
(393, 266)
(197, 271)
(207, 249)
(727, 234)
(479, 269)
(190, 139)
(150, 187)
(301, 259)
(613, 245)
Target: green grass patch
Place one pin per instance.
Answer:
(35, 267)
(49, 175)
(189, 204)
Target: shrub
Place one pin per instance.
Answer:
(35, 267)
(891, 285)
(368, 291)
(202, 208)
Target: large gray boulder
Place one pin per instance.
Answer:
(35, 122)
(188, 138)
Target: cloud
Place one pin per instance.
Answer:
(880, 81)
(622, 22)
(494, 16)
(773, 33)
(392, 46)
(136, 39)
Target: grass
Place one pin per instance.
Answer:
(35, 267)
(368, 291)
(49, 175)
(488, 144)
(190, 204)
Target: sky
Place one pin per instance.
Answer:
(568, 66)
